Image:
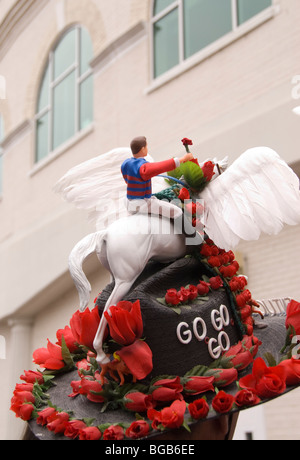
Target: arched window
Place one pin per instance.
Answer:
(65, 102)
(181, 28)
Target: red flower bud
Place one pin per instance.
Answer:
(125, 322)
(198, 409)
(138, 402)
(222, 402)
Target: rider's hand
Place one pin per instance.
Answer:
(186, 157)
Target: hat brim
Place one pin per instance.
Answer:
(270, 331)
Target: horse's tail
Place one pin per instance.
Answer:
(79, 253)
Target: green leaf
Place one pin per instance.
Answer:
(270, 359)
(176, 173)
(185, 425)
(177, 310)
(66, 355)
(88, 421)
(196, 371)
(193, 175)
(162, 300)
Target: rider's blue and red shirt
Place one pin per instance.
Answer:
(137, 173)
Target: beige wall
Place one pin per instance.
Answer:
(237, 97)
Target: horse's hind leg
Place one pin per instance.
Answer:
(120, 290)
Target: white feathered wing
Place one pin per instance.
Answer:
(258, 193)
(97, 185)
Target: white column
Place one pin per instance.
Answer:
(19, 355)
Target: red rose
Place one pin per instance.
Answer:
(90, 388)
(137, 429)
(183, 295)
(197, 384)
(246, 398)
(198, 409)
(228, 271)
(215, 250)
(203, 288)
(44, 415)
(193, 292)
(169, 417)
(224, 377)
(216, 282)
(245, 312)
(32, 377)
(243, 352)
(222, 402)
(138, 359)
(23, 387)
(125, 322)
(195, 160)
(171, 297)
(50, 357)
(190, 208)
(184, 194)
(238, 283)
(69, 338)
(205, 250)
(292, 371)
(214, 261)
(113, 433)
(240, 300)
(208, 170)
(84, 326)
(248, 323)
(73, 428)
(90, 433)
(264, 381)
(168, 390)
(76, 388)
(22, 403)
(186, 141)
(138, 402)
(58, 422)
(293, 316)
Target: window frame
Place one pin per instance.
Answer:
(185, 64)
(52, 84)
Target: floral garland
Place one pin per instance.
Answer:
(164, 400)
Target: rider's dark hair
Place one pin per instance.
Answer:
(137, 144)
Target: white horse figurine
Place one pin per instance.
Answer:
(257, 193)
(125, 255)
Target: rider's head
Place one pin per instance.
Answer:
(139, 146)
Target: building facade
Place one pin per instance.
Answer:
(79, 77)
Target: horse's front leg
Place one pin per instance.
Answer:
(120, 290)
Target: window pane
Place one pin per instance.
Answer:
(86, 102)
(64, 110)
(204, 22)
(44, 92)
(160, 5)
(86, 51)
(42, 130)
(65, 53)
(166, 43)
(249, 8)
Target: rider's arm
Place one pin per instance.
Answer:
(149, 170)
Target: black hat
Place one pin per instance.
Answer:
(190, 344)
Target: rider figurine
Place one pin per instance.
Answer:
(137, 173)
